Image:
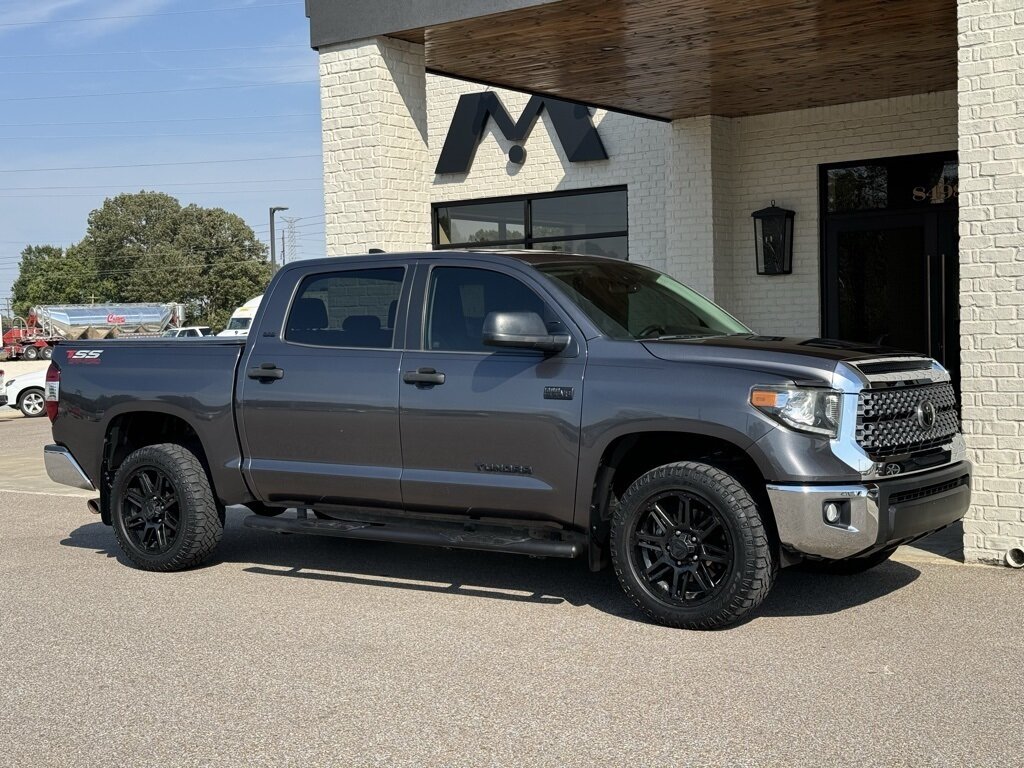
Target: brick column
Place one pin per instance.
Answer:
(697, 211)
(991, 127)
(374, 109)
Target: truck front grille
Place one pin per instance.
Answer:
(888, 423)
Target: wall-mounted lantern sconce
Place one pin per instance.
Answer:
(773, 240)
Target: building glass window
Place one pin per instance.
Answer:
(895, 183)
(592, 221)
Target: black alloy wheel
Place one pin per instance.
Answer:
(690, 548)
(682, 551)
(151, 511)
(165, 514)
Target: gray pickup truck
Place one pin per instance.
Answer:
(521, 402)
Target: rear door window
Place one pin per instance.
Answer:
(354, 308)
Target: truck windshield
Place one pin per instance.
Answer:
(627, 301)
(239, 323)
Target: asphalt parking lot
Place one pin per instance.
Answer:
(288, 651)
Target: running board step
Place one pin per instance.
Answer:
(516, 541)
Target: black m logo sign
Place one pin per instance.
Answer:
(572, 124)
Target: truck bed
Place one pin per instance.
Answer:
(190, 379)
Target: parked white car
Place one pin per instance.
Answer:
(191, 332)
(26, 393)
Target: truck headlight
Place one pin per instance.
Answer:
(804, 409)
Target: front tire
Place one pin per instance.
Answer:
(32, 403)
(690, 548)
(31, 353)
(164, 512)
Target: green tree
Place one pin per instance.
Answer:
(234, 263)
(49, 275)
(146, 247)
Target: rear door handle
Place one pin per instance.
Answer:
(266, 372)
(423, 376)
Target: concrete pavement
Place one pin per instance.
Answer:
(294, 651)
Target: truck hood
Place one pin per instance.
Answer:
(794, 357)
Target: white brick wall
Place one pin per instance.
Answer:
(688, 207)
(991, 100)
(374, 111)
(776, 157)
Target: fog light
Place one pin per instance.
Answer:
(832, 512)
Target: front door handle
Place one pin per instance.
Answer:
(266, 372)
(423, 377)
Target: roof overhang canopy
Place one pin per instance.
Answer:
(672, 59)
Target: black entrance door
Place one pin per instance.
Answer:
(890, 269)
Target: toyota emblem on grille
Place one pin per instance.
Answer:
(926, 414)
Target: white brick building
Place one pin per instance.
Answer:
(894, 131)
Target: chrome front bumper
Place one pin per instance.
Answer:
(62, 468)
(876, 515)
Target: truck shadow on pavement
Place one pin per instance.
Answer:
(489, 575)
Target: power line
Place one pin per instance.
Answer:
(6, 261)
(163, 120)
(154, 51)
(313, 223)
(156, 165)
(169, 90)
(145, 15)
(166, 184)
(155, 71)
(144, 135)
(182, 192)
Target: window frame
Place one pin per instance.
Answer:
(398, 340)
(528, 241)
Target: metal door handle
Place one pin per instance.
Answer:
(423, 376)
(266, 372)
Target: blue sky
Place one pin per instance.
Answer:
(52, 116)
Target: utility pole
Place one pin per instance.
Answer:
(273, 243)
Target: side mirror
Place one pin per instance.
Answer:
(522, 330)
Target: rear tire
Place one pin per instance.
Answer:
(46, 353)
(689, 547)
(163, 509)
(32, 403)
(31, 353)
(848, 567)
